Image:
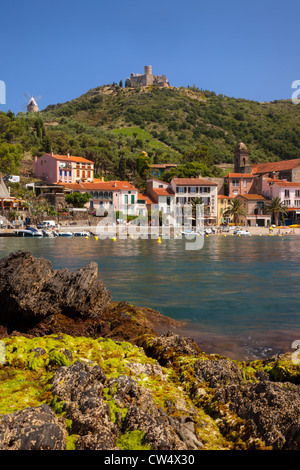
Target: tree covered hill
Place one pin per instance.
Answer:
(113, 126)
(182, 117)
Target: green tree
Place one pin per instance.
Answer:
(275, 207)
(77, 199)
(10, 157)
(235, 210)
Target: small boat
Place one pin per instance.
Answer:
(48, 234)
(65, 234)
(81, 234)
(242, 232)
(28, 232)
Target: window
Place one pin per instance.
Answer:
(106, 195)
(245, 184)
(287, 202)
(297, 193)
(297, 202)
(126, 198)
(235, 183)
(101, 195)
(181, 189)
(286, 193)
(193, 189)
(132, 199)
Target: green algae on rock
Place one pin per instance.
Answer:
(164, 394)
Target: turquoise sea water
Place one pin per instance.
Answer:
(239, 296)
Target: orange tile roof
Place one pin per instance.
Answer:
(163, 191)
(275, 166)
(150, 200)
(252, 196)
(239, 175)
(69, 158)
(193, 182)
(105, 185)
(287, 183)
(220, 196)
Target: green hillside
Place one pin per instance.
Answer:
(113, 125)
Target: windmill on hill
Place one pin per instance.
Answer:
(31, 105)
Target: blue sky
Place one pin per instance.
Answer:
(61, 49)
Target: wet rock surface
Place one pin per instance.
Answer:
(86, 392)
(31, 290)
(32, 429)
(273, 408)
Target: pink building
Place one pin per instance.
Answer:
(104, 195)
(239, 183)
(254, 207)
(63, 169)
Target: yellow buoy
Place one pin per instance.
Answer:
(86, 237)
(114, 239)
(158, 240)
(96, 238)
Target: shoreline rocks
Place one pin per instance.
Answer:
(31, 290)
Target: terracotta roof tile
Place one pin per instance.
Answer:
(239, 175)
(70, 158)
(275, 166)
(193, 182)
(163, 191)
(252, 197)
(287, 183)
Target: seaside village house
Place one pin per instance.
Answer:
(63, 169)
(223, 205)
(10, 204)
(254, 207)
(77, 174)
(161, 197)
(188, 189)
(106, 195)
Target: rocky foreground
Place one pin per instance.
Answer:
(80, 372)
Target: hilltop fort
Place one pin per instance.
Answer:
(137, 79)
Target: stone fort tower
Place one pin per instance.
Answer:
(137, 80)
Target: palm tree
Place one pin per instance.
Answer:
(275, 207)
(236, 209)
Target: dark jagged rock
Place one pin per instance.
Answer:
(31, 290)
(80, 387)
(32, 429)
(273, 408)
(217, 372)
(168, 346)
